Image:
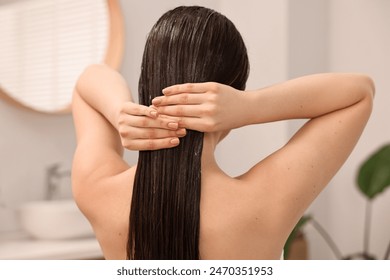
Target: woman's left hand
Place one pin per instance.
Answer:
(142, 128)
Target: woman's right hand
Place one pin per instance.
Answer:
(205, 107)
(142, 128)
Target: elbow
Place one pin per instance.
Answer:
(363, 88)
(367, 90)
(91, 74)
(87, 75)
(366, 85)
(369, 86)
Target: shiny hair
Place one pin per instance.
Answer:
(186, 45)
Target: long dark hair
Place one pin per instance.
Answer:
(187, 44)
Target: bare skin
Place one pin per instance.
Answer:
(248, 217)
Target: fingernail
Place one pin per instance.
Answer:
(181, 132)
(173, 125)
(156, 101)
(153, 114)
(175, 141)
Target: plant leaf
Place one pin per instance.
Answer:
(374, 174)
(294, 233)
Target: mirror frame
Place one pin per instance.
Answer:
(113, 56)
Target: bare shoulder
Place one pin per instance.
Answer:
(236, 221)
(291, 178)
(106, 204)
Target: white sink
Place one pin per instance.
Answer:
(54, 219)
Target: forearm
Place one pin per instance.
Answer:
(307, 97)
(103, 89)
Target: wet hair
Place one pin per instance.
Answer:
(186, 45)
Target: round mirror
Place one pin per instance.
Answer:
(45, 45)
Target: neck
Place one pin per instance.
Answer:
(209, 163)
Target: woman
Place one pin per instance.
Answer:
(180, 203)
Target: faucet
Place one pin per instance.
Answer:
(53, 174)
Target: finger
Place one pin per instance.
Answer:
(151, 133)
(152, 144)
(182, 110)
(182, 99)
(186, 88)
(147, 122)
(139, 110)
(197, 124)
(171, 118)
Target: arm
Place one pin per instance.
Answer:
(211, 107)
(100, 86)
(101, 106)
(310, 97)
(337, 106)
(139, 127)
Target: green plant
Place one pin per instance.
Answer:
(372, 179)
(294, 233)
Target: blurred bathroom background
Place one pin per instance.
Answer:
(285, 39)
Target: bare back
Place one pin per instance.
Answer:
(232, 226)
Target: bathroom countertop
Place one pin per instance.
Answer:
(18, 246)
